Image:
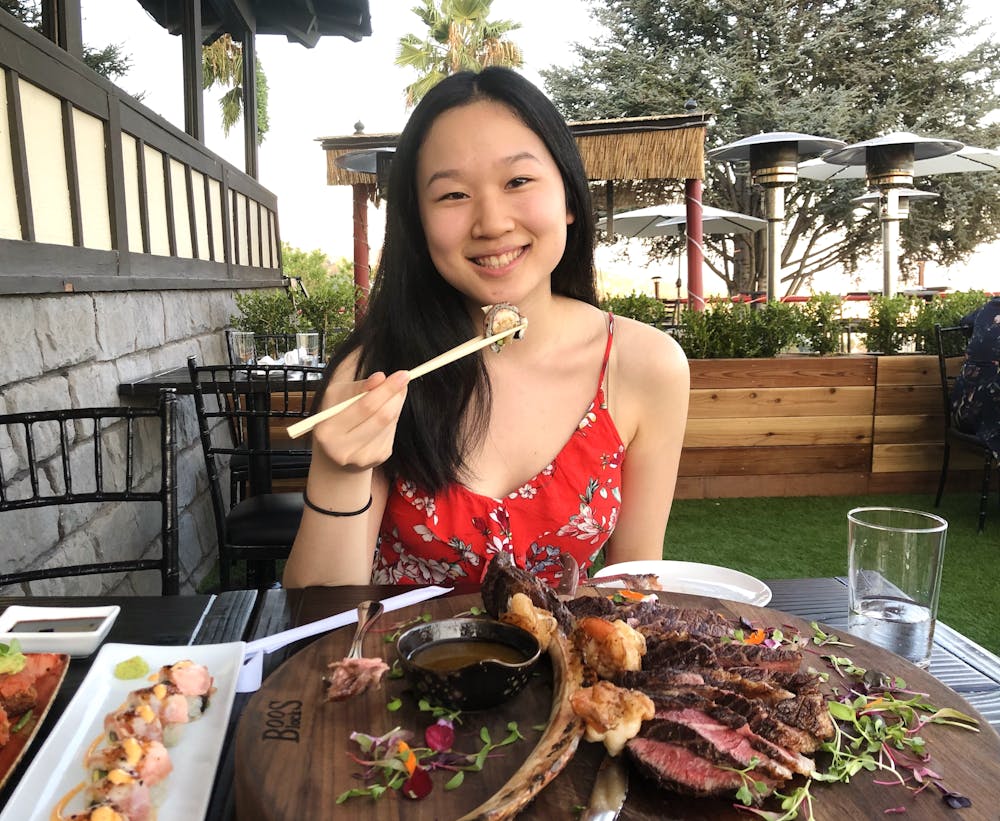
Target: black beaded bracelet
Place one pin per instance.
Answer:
(312, 506)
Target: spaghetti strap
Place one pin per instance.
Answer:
(602, 393)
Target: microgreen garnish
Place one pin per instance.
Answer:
(821, 638)
(439, 712)
(394, 705)
(397, 629)
(391, 763)
(749, 786)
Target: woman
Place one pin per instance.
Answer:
(975, 397)
(566, 441)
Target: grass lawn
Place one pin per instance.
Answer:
(787, 538)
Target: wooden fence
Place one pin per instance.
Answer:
(825, 426)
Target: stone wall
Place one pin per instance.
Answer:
(73, 350)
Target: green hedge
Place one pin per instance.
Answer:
(739, 330)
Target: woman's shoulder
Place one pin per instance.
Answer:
(643, 347)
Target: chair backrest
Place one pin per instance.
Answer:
(243, 410)
(272, 345)
(86, 456)
(951, 343)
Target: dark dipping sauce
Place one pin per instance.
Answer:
(453, 654)
(78, 625)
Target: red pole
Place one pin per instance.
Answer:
(361, 267)
(693, 215)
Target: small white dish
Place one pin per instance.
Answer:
(695, 579)
(77, 631)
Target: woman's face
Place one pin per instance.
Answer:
(492, 204)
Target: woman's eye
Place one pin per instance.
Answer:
(517, 182)
(451, 195)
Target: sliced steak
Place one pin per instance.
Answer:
(682, 770)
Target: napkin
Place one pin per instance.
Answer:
(253, 658)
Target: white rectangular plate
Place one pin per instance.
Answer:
(58, 766)
(75, 643)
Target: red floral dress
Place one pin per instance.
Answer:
(571, 506)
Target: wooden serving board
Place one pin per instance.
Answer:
(293, 749)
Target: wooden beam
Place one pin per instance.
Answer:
(250, 104)
(194, 104)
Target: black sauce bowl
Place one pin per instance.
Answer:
(478, 685)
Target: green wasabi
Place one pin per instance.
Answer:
(135, 667)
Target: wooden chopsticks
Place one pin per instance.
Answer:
(439, 361)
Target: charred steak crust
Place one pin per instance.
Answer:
(504, 578)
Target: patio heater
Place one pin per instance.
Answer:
(888, 163)
(774, 163)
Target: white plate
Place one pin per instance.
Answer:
(58, 766)
(77, 643)
(696, 579)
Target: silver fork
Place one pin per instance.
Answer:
(368, 613)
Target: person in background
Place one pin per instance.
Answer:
(565, 441)
(975, 397)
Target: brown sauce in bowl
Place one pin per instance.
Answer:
(453, 654)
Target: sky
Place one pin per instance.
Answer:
(323, 91)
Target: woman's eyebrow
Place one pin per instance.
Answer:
(454, 173)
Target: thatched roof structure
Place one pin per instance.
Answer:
(670, 146)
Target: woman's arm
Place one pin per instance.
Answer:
(649, 401)
(343, 475)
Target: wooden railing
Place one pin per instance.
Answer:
(97, 192)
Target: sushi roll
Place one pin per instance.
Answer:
(502, 317)
(190, 681)
(139, 721)
(124, 792)
(147, 761)
(171, 706)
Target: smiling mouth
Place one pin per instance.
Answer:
(499, 260)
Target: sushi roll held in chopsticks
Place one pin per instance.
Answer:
(502, 317)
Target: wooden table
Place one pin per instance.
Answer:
(967, 668)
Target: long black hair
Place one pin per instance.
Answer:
(413, 314)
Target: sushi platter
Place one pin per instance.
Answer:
(58, 767)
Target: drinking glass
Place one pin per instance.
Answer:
(243, 347)
(308, 348)
(894, 579)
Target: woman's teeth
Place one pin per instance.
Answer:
(498, 261)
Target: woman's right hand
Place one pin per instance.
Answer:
(360, 437)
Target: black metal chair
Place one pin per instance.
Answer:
(237, 406)
(951, 343)
(90, 456)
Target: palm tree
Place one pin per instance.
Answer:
(222, 64)
(459, 38)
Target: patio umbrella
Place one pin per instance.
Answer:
(670, 219)
(966, 160)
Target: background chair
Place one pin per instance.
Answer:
(87, 456)
(242, 412)
(951, 343)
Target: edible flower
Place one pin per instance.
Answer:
(407, 756)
